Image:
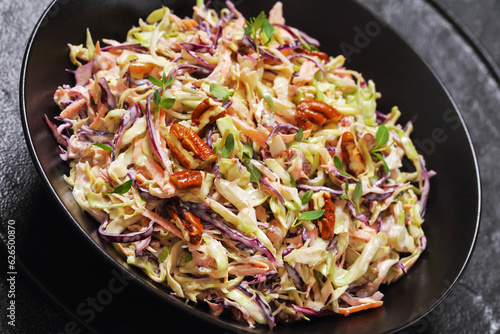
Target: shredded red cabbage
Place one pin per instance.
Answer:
(333, 192)
(249, 42)
(285, 128)
(84, 73)
(300, 55)
(153, 135)
(378, 196)
(127, 120)
(196, 47)
(200, 60)
(57, 131)
(128, 237)
(272, 189)
(201, 71)
(232, 233)
(263, 305)
(359, 216)
(107, 97)
(308, 39)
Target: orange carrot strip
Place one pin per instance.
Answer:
(163, 222)
(353, 309)
(73, 109)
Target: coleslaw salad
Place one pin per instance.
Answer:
(237, 164)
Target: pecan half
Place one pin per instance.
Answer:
(315, 112)
(327, 223)
(187, 179)
(191, 226)
(188, 148)
(205, 114)
(351, 154)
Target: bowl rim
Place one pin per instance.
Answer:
(154, 288)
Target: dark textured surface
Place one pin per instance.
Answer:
(471, 307)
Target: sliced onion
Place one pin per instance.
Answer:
(128, 237)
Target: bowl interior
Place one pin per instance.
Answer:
(452, 217)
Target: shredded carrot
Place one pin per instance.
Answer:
(353, 309)
(73, 109)
(100, 114)
(163, 222)
(190, 23)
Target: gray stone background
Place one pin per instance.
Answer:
(473, 305)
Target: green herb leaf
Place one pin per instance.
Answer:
(382, 136)
(156, 81)
(307, 197)
(220, 92)
(311, 215)
(163, 255)
(228, 148)
(103, 147)
(299, 135)
(381, 158)
(169, 81)
(157, 98)
(248, 149)
(122, 188)
(292, 180)
(338, 163)
(188, 258)
(358, 191)
(255, 174)
(267, 32)
(166, 103)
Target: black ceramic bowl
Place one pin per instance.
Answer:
(452, 218)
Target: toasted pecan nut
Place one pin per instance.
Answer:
(311, 112)
(187, 179)
(327, 223)
(351, 154)
(191, 226)
(183, 141)
(205, 113)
